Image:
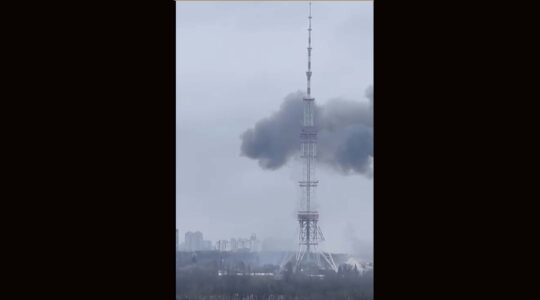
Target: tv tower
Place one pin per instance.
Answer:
(310, 234)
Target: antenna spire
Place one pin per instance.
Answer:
(308, 73)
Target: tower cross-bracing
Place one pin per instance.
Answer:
(310, 234)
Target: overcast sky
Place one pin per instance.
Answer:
(236, 62)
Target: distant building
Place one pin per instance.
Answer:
(255, 244)
(222, 245)
(249, 245)
(234, 244)
(193, 241)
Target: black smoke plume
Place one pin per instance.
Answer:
(345, 139)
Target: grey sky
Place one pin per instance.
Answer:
(236, 62)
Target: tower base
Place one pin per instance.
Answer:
(308, 258)
(313, 260)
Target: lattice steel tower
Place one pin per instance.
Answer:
(310, 234)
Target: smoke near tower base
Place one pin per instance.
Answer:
(345, 140)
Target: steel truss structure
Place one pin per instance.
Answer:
(308, 255)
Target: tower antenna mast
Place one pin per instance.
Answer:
(308, 256)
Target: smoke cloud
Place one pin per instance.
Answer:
(345, 139)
